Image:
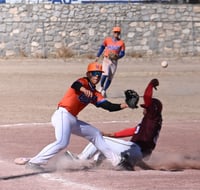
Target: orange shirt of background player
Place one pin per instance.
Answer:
(112, 45)
(74, 101)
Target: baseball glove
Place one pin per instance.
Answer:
(131, 98)
(113, 56)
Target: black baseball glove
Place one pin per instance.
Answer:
(131, 98)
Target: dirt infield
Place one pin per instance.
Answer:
(31, 89)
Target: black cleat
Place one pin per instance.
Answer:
(125, 164)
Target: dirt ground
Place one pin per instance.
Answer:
(30, 90)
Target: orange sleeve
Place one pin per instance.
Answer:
(125, 132)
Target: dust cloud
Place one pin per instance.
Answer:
(174, 161)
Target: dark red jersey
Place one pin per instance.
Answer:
(146, 133)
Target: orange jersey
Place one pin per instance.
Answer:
(112, 45)
(74, 101)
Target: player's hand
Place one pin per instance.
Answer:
(154, 83)
(124, 105)
(107, 134)
(87, 92)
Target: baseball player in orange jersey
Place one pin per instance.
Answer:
(111, 45)
(65, 121)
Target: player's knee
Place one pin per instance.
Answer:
(62, 144)
(98, 133)
(95, 136)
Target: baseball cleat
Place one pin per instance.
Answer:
(70, 156)
(35, 167)
(103, 93)
(98, 159)
(125, 164)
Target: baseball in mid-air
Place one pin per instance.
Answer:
(164, 64)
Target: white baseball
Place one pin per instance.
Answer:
(164, 64)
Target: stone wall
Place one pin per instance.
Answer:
(49, 30)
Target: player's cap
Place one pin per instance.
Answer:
(94, 66)
(116, 29)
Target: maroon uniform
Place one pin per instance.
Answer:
(146, 133)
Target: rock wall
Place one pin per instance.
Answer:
(49, 30)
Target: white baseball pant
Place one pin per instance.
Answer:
(109, 67)
(65, 124)
(118, 146)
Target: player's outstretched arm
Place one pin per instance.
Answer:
(112, 106)
(108, 134)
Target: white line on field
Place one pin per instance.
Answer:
(66, 182)
(48, 123)
(24, 124)
(69, 183)
(125, 121)
(97, 122)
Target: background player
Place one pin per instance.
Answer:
(114, 49)
(65, 121)
(144, 135)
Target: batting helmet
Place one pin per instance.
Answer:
(116, 29)
(94, 66)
